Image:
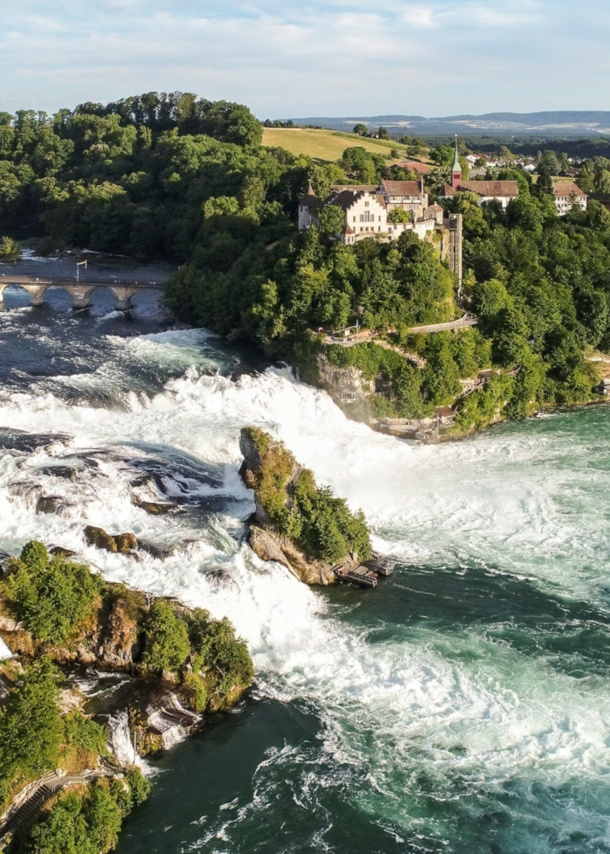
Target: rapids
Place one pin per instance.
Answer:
(463, 706)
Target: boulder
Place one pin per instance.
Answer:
(100, 539)
(48, 504)
(268, 545)
(64, 472)
(60, 551)
(126, 542)
(155, 508)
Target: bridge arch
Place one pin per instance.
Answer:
(80, 292)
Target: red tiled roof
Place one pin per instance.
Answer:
(496, 189)
(414, 166)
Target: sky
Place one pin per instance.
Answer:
(320, 58)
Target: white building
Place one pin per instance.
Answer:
(369, 208)
(567, 195)
(487, 191)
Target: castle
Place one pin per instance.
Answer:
(386, 211)
(370, 209)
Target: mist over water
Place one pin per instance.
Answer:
(462, 706)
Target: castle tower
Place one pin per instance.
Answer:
(456, 171)
(308, 209)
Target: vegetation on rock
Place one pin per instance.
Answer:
(319, 524)
(86, 820)
(70, 617)
(74, 615)
(51, 597)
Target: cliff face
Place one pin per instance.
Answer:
(295, 523)
(348, 387)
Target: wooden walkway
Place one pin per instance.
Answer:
(461, 323)
(40, 791)
(368, 336)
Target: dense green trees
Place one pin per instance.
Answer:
(31, 727)
(52, 597)
(85, 821)
(120, 177)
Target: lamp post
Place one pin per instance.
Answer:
(80, 264)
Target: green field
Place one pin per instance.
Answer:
(326, 144)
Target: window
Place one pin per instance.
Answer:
(366, 204)
(367, 216)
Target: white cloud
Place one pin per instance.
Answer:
(337, 57)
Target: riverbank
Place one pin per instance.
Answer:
(171, 667)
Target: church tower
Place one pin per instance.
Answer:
(456, 172)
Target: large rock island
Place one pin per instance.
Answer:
(99, 676)
(297, 523)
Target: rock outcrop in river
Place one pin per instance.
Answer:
(296, 523)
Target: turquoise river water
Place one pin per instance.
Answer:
(463, 706)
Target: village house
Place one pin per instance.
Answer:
(567, 195)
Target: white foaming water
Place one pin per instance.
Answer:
(462, 706)
(5, 652)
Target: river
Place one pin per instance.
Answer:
(463, 706)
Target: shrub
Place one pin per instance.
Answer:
(217, 648)
(51, 597)
(10, 250)
(84, 735)
(167, 643)
(86, 822)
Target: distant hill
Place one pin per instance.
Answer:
(567, 123)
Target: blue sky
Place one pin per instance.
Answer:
(326, 57)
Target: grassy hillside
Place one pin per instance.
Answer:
(326, 144)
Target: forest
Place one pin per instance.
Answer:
(183, 178)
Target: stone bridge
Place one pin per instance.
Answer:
(79, 291)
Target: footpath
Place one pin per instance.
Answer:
(30, 800)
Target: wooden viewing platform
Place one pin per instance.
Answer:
(366, 574)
